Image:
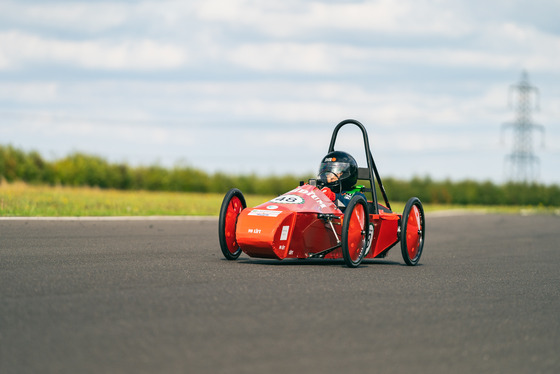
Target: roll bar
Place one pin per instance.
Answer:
(371, 168)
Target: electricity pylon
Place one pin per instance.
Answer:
(521, 164)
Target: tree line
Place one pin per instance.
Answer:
(78, 169)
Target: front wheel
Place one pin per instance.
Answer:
(413, 230)
(232, 205)
(355, 231)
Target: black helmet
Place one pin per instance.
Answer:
(338, 171)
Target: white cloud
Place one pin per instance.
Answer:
(20, 49)
(301, 103)
(292, 18)
(28, 93)
(92, 17)
(542, 52)
(181, 79)
(289, 36)
(281, 57)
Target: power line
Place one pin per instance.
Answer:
(521, 164)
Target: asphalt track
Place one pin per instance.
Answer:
(155, 296)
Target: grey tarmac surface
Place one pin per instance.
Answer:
(156, 296)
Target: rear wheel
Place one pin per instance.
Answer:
(413, 230)
(355, 229)
(232, 205)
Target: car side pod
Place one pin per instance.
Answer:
(265, 238)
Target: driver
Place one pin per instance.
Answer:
(338, 174)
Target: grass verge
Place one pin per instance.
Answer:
(19, 199)
(23, 200)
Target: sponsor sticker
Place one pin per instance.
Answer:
(285, 231)
(272, 207)
(312, 195)
(265, 213)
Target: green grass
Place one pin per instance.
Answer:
(22, 200)
(42, 201)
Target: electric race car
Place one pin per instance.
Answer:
(304, 223)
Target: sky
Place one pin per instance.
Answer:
(257, 86)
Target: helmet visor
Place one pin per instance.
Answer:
(337, 168)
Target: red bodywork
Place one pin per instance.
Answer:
(290, 226)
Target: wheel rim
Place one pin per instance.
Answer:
(413, 232)
(356, 233)
(234, 208)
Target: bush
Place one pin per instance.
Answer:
(79, 169)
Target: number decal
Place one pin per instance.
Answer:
(288, 199)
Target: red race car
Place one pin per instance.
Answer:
(311, 221)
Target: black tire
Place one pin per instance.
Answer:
(232, 205)
(412, 231)
(355, 229)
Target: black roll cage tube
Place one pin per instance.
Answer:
(370, 162)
